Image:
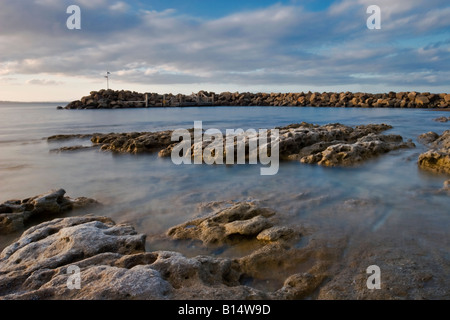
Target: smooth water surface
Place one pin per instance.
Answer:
(388, 195)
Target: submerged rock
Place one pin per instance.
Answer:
(60, 137)
(442, 119)
(427, 138)
(276, 233)
(14, 214)
(71, 149)
(437, 159)
(447, 185)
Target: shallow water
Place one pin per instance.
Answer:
(387, 196)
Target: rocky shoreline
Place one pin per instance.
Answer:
(114, 264)
(110, 99)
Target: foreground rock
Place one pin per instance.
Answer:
(327, 145)
(261, 261)
(437, 159)
(110, 99)
(15, 214)
(240, 221)
(114, 265)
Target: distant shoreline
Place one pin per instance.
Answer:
(34, 102)
(110, 99)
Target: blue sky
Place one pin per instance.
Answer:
(186, 46)
(213, 9)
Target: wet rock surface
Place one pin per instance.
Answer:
(71, 149)
(437, 159)
(15, 214)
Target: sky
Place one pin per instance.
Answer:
(181, 46)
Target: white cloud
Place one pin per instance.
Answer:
(92, 3)
(119, 7)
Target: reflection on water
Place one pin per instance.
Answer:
(387, 195)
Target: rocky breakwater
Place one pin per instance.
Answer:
(110, 99)
(437, 159)
(113, 262)
(16, 214)
(327, 145)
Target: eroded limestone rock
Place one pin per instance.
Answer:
(243, 218)
(14, 214)
(437, 159)
(113, 264)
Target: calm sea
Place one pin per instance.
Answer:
(388, 195)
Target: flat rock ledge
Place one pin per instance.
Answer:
(437, 159)
(327, 145)
(113, 264)
(15, 214)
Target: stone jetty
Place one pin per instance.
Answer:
(110, 99)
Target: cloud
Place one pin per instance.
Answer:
(44, 82)
(275, 45)
(119, 7)
(8, 80)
